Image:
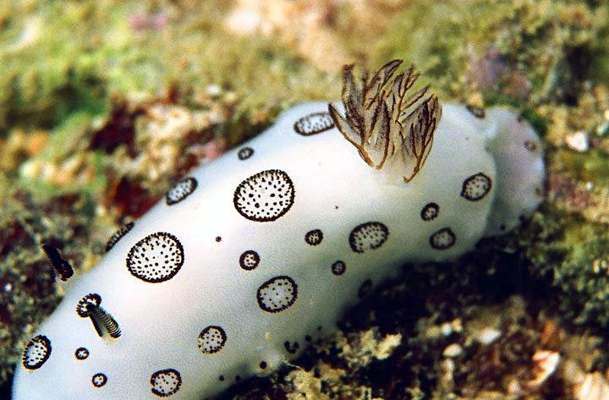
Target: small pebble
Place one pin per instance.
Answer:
(446, 329)
(578, 141)
(488, 335)
(452, 351)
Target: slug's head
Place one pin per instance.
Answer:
(391, 125)
(518, 154)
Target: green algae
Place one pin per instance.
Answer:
(573, 255)
(592, 166)
(66, 63)
(67, 67)
(76, 55)
(553, 44)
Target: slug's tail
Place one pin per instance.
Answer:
(518, 154)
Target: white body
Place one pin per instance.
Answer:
(334, 191)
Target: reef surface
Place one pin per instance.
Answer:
(103, 104)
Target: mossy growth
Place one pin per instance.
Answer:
(67, 67)
(58, 57)
(509, 51)
(95, 81)
(573, 255)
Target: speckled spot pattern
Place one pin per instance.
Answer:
(118, 235)
(156, 258)
(476, 187)
(211, 339)
(165, 382)
(265, 196)
(277, 294)
(81, 353)
(314, 237)
(181, 190)
(313, 124)
(98, 380)
(368, 236)
(339, 267)
(245, 153)
(249, 260)
(430, 212)
(37, 352)
(91, 299)
(442, 239)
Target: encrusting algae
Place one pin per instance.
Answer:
(79, 112)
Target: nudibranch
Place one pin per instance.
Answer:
(252, 256)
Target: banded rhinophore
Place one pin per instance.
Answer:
(251, 257)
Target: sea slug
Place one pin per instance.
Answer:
(249, 258)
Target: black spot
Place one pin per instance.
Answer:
(265, 196)
(365, 289)
(156, 258)
(277, 294)
(118, 235)
(211, 339)
(81, 353)
(430, 211)
(249, 260)
(165, 382)
(314, 237)
(308, 338)
(263, 365)
(85, 303)
(368, 236)
(37, 352)
(291, 347)
(221, 378)
(181, 190)
(98, 380)
(61, 266)
(476, 187)
(237, 378)
(103, 322)
(476, 111)
(218, 239)
(313, 124)
(530, 145)
(245, 153)
(339, 268)
(442, 239)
